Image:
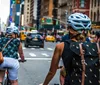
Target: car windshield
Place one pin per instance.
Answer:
(33, 35)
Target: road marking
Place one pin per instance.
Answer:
(24, 48)
(49, 48)
(32, 48)
(48, 59)
(32, 54)
(44, 54)
(41, 48)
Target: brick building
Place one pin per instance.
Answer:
(82, 6)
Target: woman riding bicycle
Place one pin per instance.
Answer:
(10, 54)
(77, 24)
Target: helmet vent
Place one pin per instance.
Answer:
(85, 23)
(76, 21)
(72, 17)
(77, 25)
(77, 17)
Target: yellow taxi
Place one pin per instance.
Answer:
(22, 35)
(50, 38)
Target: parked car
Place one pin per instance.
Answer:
(34, 39)
(50, 38)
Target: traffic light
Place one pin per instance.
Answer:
(49, 20)
(54, 22)
(13, 1)
(43, 20)
(18, 1)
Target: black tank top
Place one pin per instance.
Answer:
(67, 56)
(72, 64)
(67, 60)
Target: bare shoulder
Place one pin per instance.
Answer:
(60, 47)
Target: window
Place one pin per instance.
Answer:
(27, 8)
(92, 4)
(27, 12)
(28, 1)
(97, 15)
(94, 16)
(95, 3)
(27, 20)
(91, 15)
(98, 2)
(82, 3)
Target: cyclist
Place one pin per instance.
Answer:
(77, 23)
(10, 54)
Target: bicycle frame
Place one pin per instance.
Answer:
(6, 79)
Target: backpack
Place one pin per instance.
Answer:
(85, 63)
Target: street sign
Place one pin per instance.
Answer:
(49, 21)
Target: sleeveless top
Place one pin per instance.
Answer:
(11, 49)
(73, 66)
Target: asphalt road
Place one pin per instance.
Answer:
(34, 71)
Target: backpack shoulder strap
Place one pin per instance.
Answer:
(83, 63)
(98, 47)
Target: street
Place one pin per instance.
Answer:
(34, 71)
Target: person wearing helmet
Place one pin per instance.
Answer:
(78, 23)
(10, 54)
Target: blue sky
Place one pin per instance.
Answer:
(4, 9)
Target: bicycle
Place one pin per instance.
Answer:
(6, 80)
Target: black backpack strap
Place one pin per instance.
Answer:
(98, 51)
(98, 47)
(83, 63)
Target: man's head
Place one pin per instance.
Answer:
(12, 31)
(78, 23)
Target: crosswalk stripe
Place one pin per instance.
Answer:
(42, 48)
(48, 59)
(32, 48)
(32, 54)
(24, 48)
(49, 48)
(44, 54)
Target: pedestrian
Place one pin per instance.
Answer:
(71, 53)
(97, 36)
(10, 54)
(1, 34)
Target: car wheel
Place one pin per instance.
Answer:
(42, 46)
(26, 45)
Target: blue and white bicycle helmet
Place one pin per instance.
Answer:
(79, 22)
(12, 29)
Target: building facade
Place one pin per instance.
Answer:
(27, 4)
(31, 12)
(46, 8)
(64, 10)
(82, 6)
(95, 10)
(38, 14)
